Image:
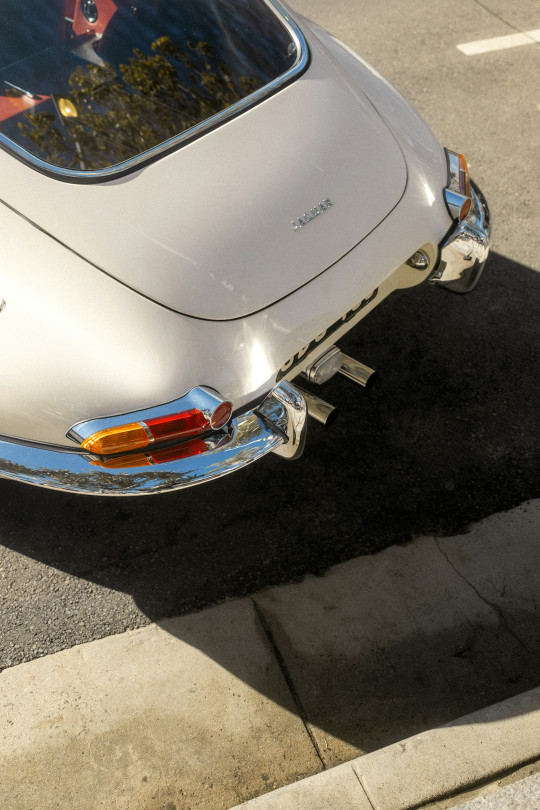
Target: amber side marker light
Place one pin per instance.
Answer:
(138, 435)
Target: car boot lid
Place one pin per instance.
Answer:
(244, 215)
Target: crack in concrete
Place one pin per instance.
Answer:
(288, 678)
(364, 788)
(497, 16)
(493, 605)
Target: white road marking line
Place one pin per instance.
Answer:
(499, 43)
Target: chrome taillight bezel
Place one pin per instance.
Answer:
(201, 398)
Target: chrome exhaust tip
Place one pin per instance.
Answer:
(318, 408)
(357, 372)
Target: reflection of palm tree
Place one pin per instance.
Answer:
(97, 482)
(156, 97)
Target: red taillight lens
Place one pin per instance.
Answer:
(464, 186)
(221, 415)
(178, 425)
(465, 208)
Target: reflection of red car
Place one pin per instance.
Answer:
(89, 16)
(10, 106)
(81, 17)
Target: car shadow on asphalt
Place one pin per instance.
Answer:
(448, 436)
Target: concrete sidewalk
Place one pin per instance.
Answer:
(368, 665)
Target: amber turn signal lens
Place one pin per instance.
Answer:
(118, 439)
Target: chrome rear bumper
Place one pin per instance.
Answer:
(464, 252)
(278, 425)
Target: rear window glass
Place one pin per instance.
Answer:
(87, 85)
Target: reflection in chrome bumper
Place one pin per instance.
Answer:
(279, 425)
(465, 251)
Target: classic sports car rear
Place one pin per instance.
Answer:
(199, 198)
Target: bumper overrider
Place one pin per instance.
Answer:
(464, 252)
(277, 425)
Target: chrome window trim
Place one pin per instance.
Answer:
(189, 134)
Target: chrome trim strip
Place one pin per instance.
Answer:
(302, 58)
(253, 434)
(464, 252)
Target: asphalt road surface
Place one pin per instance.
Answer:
(448, 435)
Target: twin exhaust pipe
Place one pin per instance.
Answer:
(357, 372)
(318, 408)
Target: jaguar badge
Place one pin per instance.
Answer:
(309, 216)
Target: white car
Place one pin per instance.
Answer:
(198, 200)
